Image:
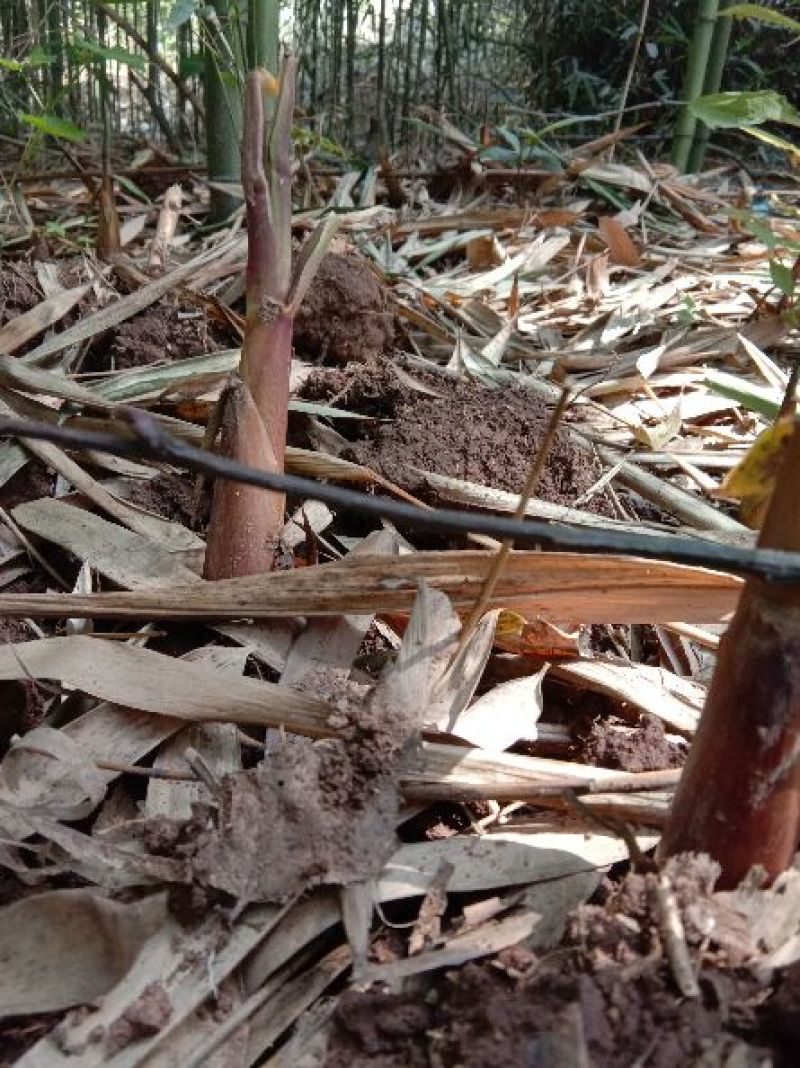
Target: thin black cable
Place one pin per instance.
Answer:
(152, 442)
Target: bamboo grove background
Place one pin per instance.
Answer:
(368, 71)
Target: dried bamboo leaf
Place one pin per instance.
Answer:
(217, 744)
(46, 771)
(459, 491)
(325, 650)
(171, 536)
(561, 586)
(281, 1010)
(205, 1024)
(620, 245)
(676, 701)
(96, 861)
(130, 559)
(407, 686)
(508, 713)
(21, 329)
(482, 941)
(148, 383)
(119, 735)
(123, 309)
(456, 765)
(17, 375)
(549, 849)
(176, 958)
(156, 683)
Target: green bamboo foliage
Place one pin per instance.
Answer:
(370, 70)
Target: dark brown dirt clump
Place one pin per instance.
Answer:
(19, 290)
(641, 748)
(171, 496)
(309, 814)
(345, 315)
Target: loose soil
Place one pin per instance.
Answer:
(467, 432)
(19, 290)
(172, 496)
(608, 991)
(163, 333)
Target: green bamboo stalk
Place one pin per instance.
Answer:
(712, 84)
(350, 64)
(380, 90)
(335, 85)
(263, 34)
(223, 104)
(696, 67)
(138, 38)
(405, 107)
(55, 46)
(423, 31)
(152, 19)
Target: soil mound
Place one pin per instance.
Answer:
(345, 315)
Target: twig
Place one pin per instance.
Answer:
(500, 557)
(171, 774)
(640, 862)
(623, 96)
(152, 442)
(673, 936)
(530, 793)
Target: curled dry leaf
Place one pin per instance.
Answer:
(69, 947)
(47, 772)
(506, 714)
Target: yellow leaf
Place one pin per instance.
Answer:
(509, 624)
(751, 482)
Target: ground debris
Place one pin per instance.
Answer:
(608, 994)
(309, 814)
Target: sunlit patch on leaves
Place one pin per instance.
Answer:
(762, 14)
(783, 277)
(85, 50)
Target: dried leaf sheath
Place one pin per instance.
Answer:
(245, 520)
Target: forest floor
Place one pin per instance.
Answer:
(324, 816)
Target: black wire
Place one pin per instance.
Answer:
(152, 442)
